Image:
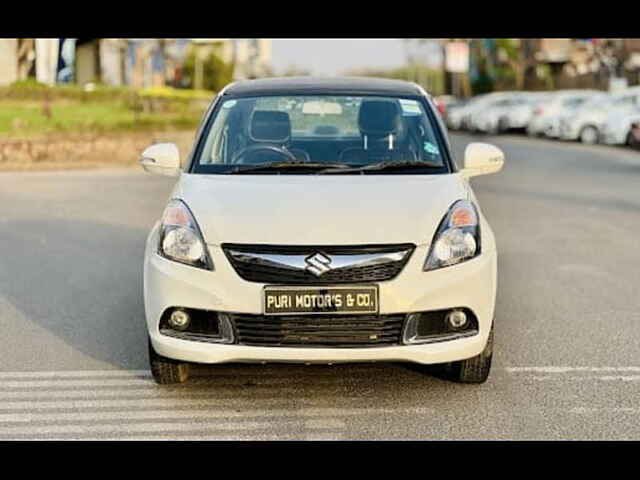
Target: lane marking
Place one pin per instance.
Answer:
(107, 382)
(591, 410)
(229, 392)
(77, 374)
(172, 403)
(328, 416)
(604, 378)
(225, 371)
(184, 437)
(137, 428)
(556, 369)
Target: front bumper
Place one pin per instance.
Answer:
(167, 284)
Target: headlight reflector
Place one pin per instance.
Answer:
(180, 237)
(457, 239)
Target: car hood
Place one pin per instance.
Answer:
(319, 209)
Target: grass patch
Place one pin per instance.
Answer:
(29, 108)
(20, 118)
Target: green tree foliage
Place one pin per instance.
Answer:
(216, 73)
(511, 72)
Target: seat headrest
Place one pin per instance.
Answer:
(379, 117)
(270, 126)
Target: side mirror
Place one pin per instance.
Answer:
(161, 159)
(482, 159)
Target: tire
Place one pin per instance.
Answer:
(589, 135)
(167, 371)
(503, 125)
(475, 369)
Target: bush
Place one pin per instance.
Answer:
(32, 90)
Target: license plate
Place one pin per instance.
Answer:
(320, 300)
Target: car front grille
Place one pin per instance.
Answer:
(291, 265)
(340, 331)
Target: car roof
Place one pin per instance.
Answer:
(323, 86)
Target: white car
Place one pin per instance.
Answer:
(460, 117)
(321, 220)
(508, 111)
(588, 120)
(518, 116)
(547, 116)
(617, 128)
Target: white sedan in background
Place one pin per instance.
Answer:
(521, 112)
(547, 116)
(586, 125)
(617, 128)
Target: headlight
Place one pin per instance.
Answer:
(457, 238)
(180, 237)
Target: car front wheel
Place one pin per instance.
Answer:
(167, 371)
(475, 369)
(589, 135)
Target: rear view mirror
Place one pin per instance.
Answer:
(161, 159)
(482, 159)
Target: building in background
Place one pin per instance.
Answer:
(23, 58)
(116, 61)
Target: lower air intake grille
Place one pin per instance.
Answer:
(346, 331)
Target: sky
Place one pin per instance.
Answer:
(328, 56)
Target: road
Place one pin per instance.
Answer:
(566, 363)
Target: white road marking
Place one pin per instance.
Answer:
(78, 374)
(327, 415)
(105, 382)
(152, 402)
(216, 391)
(600, 378)
(554, 369)
(195, 437)
(592, 410)
(124, 428)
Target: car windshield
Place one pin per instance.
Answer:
(303, 134)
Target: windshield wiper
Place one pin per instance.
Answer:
(287, 166)
(384, 166)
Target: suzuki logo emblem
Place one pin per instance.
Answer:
(318, 264)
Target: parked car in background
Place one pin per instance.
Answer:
(459, 117)
(446, 102)
(491, 117)
(518, 116)
(617, 128)
(586, 124)
(634, 136)
(546, 116)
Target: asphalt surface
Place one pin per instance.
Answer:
(566, 362)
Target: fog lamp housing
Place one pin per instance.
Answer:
(201, 326)
(439, 326)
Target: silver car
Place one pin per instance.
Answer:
(547, 115)
(459, 118)
(617, 128)
(491, 118)
(587, 123)
(520, 114)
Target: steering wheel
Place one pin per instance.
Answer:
(270, 148)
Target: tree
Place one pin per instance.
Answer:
(215, 72)
(510, 51)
